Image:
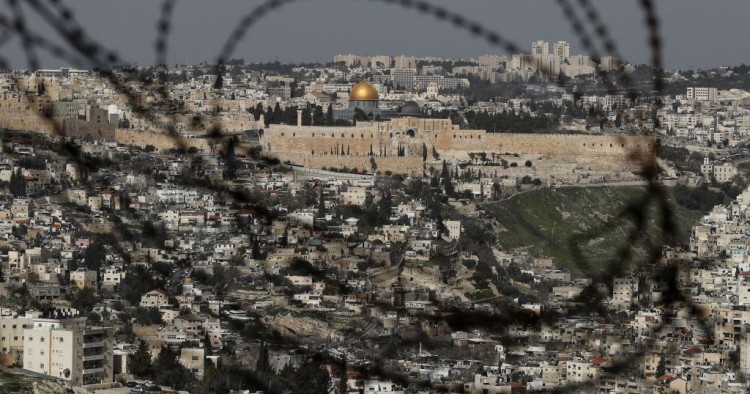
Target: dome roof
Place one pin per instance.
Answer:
(363, 91)
(411, 108)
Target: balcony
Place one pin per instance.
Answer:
(87, 345)
(93, 357)
(93, 370)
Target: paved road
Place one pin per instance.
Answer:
(121, 390)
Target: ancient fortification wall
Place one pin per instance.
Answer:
(159, 140)
(396, 145)
(384, 140)
(615, 146)
(28, 120)
(33, 121)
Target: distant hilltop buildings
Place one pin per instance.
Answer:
(405, 70)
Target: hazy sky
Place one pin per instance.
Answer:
(696, 33)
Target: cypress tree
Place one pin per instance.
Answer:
(140, 361)
(278, 115)
(17, 184)
(269, 115)
(207, 344)
(255, 252)
(321, 205)
(343, 378)
(262, 364)
(329, 115)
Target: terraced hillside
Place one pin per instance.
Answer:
(587, 228)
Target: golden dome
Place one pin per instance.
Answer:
(363, 91)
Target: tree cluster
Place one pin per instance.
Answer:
(506, 122)
(17, 184)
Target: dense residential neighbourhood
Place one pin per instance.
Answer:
(212, 243)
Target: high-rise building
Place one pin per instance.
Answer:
(492, 60)
(561, 51)
(540, 48)
(609, 63)
(580, 60)
(402, 62)
(351, 60)
(380, 61)
(403, 78)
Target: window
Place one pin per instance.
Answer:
(195, 358)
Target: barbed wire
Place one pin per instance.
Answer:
(87, 53)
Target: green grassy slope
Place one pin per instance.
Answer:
(594, 220)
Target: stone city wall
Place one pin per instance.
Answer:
(160, 141)
(606, 151)
(31, 121)
(82, 129)
(614, 146)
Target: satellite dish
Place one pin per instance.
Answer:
(66, 372)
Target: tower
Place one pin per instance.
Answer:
(561, 51)
(540, 48)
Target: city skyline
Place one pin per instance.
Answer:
(371, 28)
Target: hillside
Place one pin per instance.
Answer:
(595, 221)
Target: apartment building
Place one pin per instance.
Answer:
(701, 94)
(67, 349)
(11, 337)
